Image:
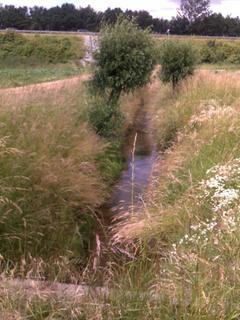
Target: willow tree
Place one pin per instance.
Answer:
(178, 60)
(125, 58)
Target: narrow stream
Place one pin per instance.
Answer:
(140, 153)
(128, 193)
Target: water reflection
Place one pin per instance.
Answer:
(135, 179)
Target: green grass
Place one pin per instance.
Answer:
(186, 246)
(55, 175)
(19, 76)
(220, 67)
(27, 59)
(191, 229)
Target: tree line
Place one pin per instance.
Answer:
(194, 17)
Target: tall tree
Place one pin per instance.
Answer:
(88, 19)
(12, 17)
(69, 17)
(144, 19)
(160, 25)
(177, 61)
(38, 17)
(179, 25)
(110, 16)
(212, 25)
(194, 9)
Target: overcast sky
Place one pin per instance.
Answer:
(158, 8)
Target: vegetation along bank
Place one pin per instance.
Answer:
(178, 256)
(27, 59)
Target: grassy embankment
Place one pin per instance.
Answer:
(29, 59)
(187, 266)
(213, 53)
(192, 222)
(55, 174)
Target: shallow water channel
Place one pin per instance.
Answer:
(140, 153)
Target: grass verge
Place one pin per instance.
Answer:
(20, 76)
(190, 230)
(55, 174)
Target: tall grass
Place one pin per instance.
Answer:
(186, 246)
(56, 173)
(192, 233)
(50, 183)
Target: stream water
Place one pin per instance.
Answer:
(140, 153)
(129, 192)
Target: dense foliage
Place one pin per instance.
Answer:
(125, 59)
(124, 62)
(220, 52)
(105, 117)
(16, 48)
(177, 61)
(69, 18)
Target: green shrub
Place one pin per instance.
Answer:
(105, 117)
(178, 60)
(17, 49)
(220, 52)
(125, 58)
(214, 51)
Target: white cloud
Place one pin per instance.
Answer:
(227, 7)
